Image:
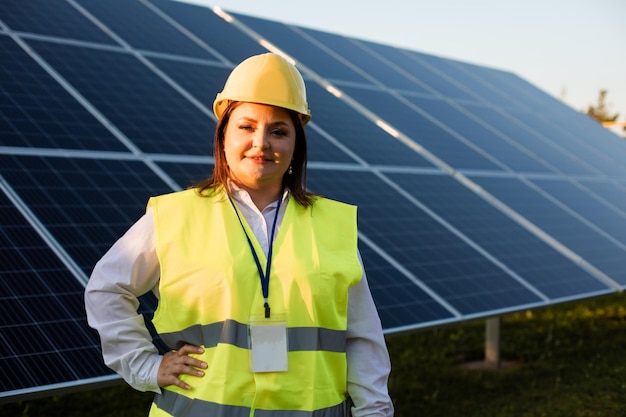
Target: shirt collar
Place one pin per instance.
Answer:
(243, 197)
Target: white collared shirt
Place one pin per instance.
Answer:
(131, 268)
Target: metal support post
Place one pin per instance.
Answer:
(492, 343)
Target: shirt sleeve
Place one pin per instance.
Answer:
(128, 270)
(366, 352)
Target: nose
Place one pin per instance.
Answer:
(260, 139)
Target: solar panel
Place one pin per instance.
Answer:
(610, 191)
(42, 325)
(478, 193)
(405, 62)
(135, 24)
(479, 134)
(38, 112)
(361, 136)
(560, 221)
(593, 209)
(431, 252)
(56, 19)
(439, 139)
(136, 100)
(314, 57)
(534, 262)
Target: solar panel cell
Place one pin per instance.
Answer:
(613, 192)
(479, 89)
(187, 174)
(430, 251)
(590, 206)
(584, 239)
(303, 50)
(359, 135)
(437, 139)
(201, 80)
(148, 111)
(400, 303)
(53, 18)
(42, 317)
(526, 255)
(421, 76)
(350, 52)
(510, 154)
(51, 191)
(38, 112)
(526, 136)
(136, 24)
(586, 158)
(228, 41)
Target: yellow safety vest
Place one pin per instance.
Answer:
(210, 288)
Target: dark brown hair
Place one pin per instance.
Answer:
(296, 181)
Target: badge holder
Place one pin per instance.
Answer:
(268, 343)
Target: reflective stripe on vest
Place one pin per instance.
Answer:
(209, 290)
(181, 406)
(233, 333)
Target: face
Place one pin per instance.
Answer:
(259, 142)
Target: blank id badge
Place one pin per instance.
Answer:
(268, 343)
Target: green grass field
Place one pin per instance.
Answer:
(564, 361)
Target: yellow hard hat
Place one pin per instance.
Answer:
(266, 79)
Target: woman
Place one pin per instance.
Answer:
(262, 295)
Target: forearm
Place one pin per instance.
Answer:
(129, 269)
(368, 359)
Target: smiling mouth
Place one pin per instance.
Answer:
(259, 158)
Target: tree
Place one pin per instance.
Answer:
(601, 111)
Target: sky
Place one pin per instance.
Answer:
(570, 49)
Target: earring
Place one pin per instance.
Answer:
(290, 170)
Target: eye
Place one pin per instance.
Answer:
(246, 127)
(279, 132)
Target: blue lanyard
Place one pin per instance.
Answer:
(265, 278)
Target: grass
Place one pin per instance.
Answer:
(564, 361)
